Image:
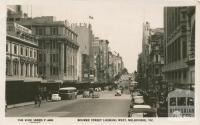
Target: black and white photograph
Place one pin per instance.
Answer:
(100, 59)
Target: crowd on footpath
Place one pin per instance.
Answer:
(42, 94)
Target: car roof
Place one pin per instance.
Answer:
(142, 106)
(68, 88)
(141, 110)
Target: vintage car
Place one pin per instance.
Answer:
(95, 95)
(55, 97)
(136, 100)
(118, 92)
(142, 111)
(86, 94)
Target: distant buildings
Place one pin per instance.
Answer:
(107, 64)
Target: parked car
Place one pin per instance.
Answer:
(95, 95)
(55, 97)
(142, 111)
(86, 94)
(136, 100)
(68, 93)
(118, 93)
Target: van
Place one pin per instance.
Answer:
(68, 93)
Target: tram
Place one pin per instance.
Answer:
(181, 103)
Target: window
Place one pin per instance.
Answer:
(35, 54)
(22, 69)
(8, 63)
(15, 68)
(192, 76)
(31, 52)
(54, 44)
(184, 49)
(44, 57)
(15, 49)
(156, 71)
(21, 50)
(42, 31)
(184, 74)
(6, 47)
(27, 51)
(156, 58)
(54, 31)
(190, 101)
(172, 101)
(179, 74)
(27, 70)
(51, 58)
(31, 70)
(40, 57)
(35, 73)
(181, 101)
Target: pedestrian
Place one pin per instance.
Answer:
(39, 100)
(38, 97)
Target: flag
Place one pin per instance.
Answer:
(91, 17)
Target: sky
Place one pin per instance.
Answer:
(118, 21)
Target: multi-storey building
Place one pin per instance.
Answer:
(96, 58)
(156, 58)
(101, 61)
(104, 60)
(58, 48)
(21, 63)
(118, 63)
(85, 40)
(179, 45)
(21, 59)
(111, 65)
(143, 58)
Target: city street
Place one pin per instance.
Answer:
(108, 105)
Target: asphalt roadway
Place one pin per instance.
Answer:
(108, 105)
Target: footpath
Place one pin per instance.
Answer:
(30, 103)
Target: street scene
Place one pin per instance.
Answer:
(79, 61)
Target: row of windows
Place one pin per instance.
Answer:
(173, 19)
(22, 50)
(181, 101)
(42, 31)
(54, 58)
(176, 75)
(174, 51)
(54, 31)
(24, 69)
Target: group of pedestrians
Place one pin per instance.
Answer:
(40, 94)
